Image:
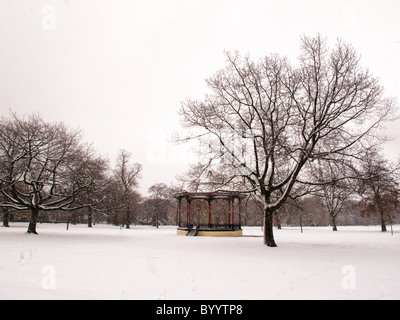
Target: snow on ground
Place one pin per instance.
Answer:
(107, 262)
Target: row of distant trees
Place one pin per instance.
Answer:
(46, 169)
(151, 210)
(160, 208)
(48, 172)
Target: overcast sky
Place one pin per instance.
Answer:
(118, 69)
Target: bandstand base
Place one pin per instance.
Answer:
(212, 233)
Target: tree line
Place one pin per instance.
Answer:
(47, 169)
(47, 173)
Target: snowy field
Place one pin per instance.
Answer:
(107, 262)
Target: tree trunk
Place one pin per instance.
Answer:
(334, 227)
(32, 223)
(268, 229)
(90, 217)
(382, 215)
(383, 224)
(278, 222)
(128, 217)
(74, 218)
(6, 218)
(157, 218)
(301, 222)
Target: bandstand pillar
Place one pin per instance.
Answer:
(209, 213)
(180, 212)
(233, 212)
(188, 211)
(240, 213)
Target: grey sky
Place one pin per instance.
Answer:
(118, 69)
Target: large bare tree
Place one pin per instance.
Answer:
(43, 166)
(264, 121)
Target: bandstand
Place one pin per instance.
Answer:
(210, 213)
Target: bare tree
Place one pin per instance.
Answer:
(336, 187)
(41, 166)
(266, 120)
(127, 175)
(379, 188)
(95, 169)
(160, 203)
(113, 203)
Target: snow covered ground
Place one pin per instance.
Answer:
(107, 262)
